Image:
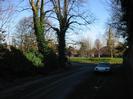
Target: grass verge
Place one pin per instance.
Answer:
(96, 60)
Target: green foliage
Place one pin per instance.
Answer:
(48, 60)
(35, 58)
(97, 60)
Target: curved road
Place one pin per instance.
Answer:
(56, 86)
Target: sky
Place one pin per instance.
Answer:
(98, 8)
(96, 30)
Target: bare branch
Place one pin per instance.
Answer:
(54, 28)
(23, 9)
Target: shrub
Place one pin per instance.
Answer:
(14, 63)
(35, 58)
(44, 63)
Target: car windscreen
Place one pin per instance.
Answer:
(103, 65)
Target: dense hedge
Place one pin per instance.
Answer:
(14, 63)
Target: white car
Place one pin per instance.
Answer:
(102, 67)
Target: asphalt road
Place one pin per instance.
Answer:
(56, 86)
(111, 85)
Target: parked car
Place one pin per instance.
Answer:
(103, 67)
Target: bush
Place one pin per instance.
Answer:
(44, 63)
(35, 58)
(14, 63)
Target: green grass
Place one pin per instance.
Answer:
(97, 60)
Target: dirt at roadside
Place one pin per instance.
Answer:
(103, 86)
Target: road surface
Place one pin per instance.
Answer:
(56, 86)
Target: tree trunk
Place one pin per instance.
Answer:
(130, 33)
(111, 53)
(128, 63)
(130, 52)
(99, 55)
(61, 50)
(38, 19)
(39, 32)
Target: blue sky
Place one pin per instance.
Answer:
(96, 30)
(100, 9)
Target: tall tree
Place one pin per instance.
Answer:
(110, 41)
(98, 46)
(118, 23)
(39, 23)
(85, 47)
(66, 14)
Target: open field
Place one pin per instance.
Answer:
(96, 60)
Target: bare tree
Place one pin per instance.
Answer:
(98, 46)
(110, 41)
(85, 47)
(25, 34)
(2, 36)
(6, 13)
(117, 21)
(66, 13)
